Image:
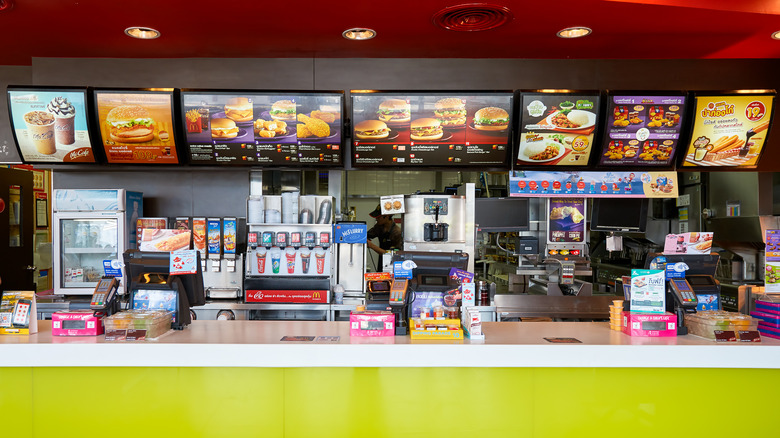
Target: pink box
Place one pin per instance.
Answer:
(650, 324)
(76, 323)
(372, 323)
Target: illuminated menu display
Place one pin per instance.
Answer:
(136, 127)
(557, 129)
(431, 129)
(642, 130)
(50, 124)
(729, 130)
(278, 129)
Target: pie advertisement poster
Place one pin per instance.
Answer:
(566, 220)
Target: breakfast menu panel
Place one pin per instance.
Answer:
(50, 125)
(557, 129)
(136, 127)
(245, 129)
(431, 129)
(642, 130)
(729, 130)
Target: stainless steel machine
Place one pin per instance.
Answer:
(349, 239)
(222, 268)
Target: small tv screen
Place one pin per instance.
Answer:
(628, 215)
(502, 214)
(137, 126)
(264, 128)
(50, 124)
(431, 129)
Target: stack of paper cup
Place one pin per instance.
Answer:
(254, 210)
(616, 315)
(290, 207)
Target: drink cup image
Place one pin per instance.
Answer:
(64, 114)
(290, 255)
(260, 261)
(305, 260)
(40, 129)
(320, 257)
(276, 257)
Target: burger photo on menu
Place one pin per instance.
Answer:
(239, 109)
(283, 110)
(426, 129)
(130, 124)
(394, 111)
(491, 119)
(371, 130)
(223, 128)
(451, 112)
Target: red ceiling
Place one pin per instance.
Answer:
(622, 29)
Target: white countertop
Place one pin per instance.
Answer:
(507, 344)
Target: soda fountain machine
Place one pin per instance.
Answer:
(225, 249)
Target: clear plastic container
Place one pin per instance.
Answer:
(155, 322)
(705, 323)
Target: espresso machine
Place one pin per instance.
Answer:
(223, 265)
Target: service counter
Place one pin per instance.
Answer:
(237, 378)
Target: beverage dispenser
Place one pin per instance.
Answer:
(222, 276)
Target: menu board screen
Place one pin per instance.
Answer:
(729, 130)
(431, 130)
(642, 130)
(245, 129)
(557, 129)
(136, 127)
(50, 125)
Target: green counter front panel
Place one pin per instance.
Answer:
(387, 402)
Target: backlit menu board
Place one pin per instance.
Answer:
(729, 130)
(136, 126)
(642, 130)
(431, 129)
(264, 128)
(50, 125)
(557, 129)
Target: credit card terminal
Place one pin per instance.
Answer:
(21, 314)
(105, 294)
(683, 294)
(398, 291)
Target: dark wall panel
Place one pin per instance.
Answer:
(10, 75)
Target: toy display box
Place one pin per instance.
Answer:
(372, 323)
(650, 324)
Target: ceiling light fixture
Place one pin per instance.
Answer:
(359, 34)
(6, 4)
(776, 35)
(574, 32)
(143, 33)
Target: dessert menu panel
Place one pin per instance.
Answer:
(729, 130)
(136, 127)
(642, 130)
(50, 125)
(431, 129)
(245, 129)
(557, 129)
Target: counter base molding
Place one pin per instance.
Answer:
(377, 402)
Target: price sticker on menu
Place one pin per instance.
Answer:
(183, 262)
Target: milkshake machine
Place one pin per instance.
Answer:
(224, 261)
(350, 240)
(439, 222)
(290, 256)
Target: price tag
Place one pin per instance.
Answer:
(725, 336)
(749, 336)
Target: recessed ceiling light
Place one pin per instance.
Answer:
(574, 32)
(776, 35)
(358, 33)
(144, 33)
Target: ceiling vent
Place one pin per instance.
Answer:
(472, 17)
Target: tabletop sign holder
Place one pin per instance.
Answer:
(18, 313)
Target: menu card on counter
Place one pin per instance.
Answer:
(50, 125)
(772, 262)
(268, 128)
(642, 131)
(557, 129)
(622, 184)
(729, 130)
(136, 127)
(468, 129)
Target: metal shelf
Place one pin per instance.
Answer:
(89, 250)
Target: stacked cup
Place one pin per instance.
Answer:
(616, 315)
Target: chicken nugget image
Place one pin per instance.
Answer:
(302, 131)
(318, 127)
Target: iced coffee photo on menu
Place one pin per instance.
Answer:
(50, 124)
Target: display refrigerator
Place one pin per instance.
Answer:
(91, 231)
